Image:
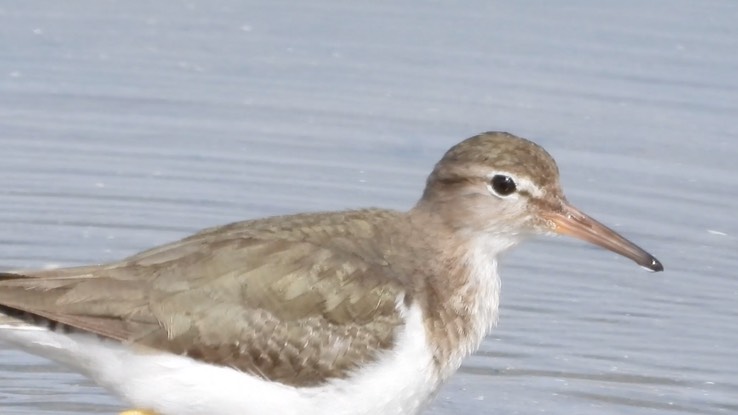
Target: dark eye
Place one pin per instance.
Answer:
(503, 185)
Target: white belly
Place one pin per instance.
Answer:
(401, 382)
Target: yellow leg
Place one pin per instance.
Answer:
(138, 412)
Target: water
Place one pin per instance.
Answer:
(128, 124)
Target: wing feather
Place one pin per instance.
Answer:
(297, 310)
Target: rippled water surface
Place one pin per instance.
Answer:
(128, 124)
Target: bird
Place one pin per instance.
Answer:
(350, 312)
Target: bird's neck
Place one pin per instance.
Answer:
(460, 289)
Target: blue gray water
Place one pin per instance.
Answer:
(126, 124)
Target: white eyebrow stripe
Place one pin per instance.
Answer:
(521, 182)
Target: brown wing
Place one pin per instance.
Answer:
(293, 300)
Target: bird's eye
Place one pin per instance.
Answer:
(502, 185)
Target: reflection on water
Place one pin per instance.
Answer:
(125, 130)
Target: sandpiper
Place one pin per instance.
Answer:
(342, 313)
